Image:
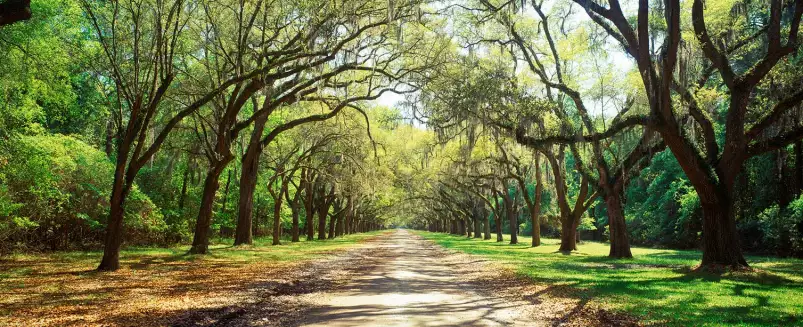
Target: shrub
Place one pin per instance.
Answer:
(781, 228)
(54, 192)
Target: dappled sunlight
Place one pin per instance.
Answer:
(153, 285)
(657, 283)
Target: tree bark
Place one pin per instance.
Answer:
(498, 220)
(510, 212)
(568, 235)
(123, 181)
(114, 230)
(477, 224)
(487, 225)
(309, 205)
(248, 181)
(324, 201)
(535, 209)
(332, 224)
(620, 243)
(295, 230)
(200, 242)
(721, 246)
(277, 215)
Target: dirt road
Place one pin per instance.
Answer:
(401, 279)
(414, 284)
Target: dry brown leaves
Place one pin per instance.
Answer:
(151, 292)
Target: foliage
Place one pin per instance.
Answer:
(55, 192)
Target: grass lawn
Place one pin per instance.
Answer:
(657, 284)
(153, 286)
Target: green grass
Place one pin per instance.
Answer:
(657, 285)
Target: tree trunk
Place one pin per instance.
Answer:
(123, 181)
(309, 207)
(487, 227)
(200, 242)
(248, 184)
(294, 208)
(620, 244)
(512, 217)
(536, 228)
(349, 215)
(568, 234)
(323, 210)
(535, 209)
(498, 221)
(277, 219)
(477, 226)
(339, 228)
(720, 239)
(114, 230)
(332, 224)
(514, 227)
(467, 223)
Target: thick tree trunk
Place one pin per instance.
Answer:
(200, 242)
(620, 243)
(715, 189)
(568, 234)
(248, 184)
(720, 239)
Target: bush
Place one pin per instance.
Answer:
(781, 228)
(54, 192)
